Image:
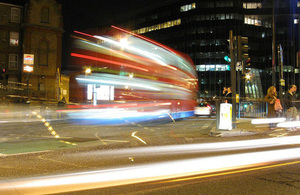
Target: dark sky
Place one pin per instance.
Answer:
(86, 14)
(81, 14)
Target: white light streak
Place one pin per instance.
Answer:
(118, 83)
(144, 173)
(268, 120)
(289, 124)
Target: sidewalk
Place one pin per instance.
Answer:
(245, 128)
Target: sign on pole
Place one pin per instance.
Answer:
(28, 63)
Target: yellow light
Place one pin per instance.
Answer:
(88, 71)
(248, 76)
(123, 42)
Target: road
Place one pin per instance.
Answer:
(155, 158)
(283, 179)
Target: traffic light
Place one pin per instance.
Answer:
(242, 48)
(246, 68)
(227, 59)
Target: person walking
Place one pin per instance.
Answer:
(290, 99)
(270, 98)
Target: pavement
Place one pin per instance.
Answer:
(244, 127)
(18, 136)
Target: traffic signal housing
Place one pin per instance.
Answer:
(246, 66)
(243, 48)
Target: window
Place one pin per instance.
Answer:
(188, 7)
(167, 24)
(252, 5)
(13, 62)
(45, 15)
(15, 15)
(43, 53)
(14, 39)
(42, 87)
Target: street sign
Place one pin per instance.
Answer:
(28, 63)
(238, 66)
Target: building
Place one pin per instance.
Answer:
(11, 42)
(201, 29)
(32, 27)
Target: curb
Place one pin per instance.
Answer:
(230, 133)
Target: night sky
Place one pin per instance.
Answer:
(86, 14)
(83, 14)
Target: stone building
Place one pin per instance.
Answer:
(42, 32)
(11, 19)
(31, 27)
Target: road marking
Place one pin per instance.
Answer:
(133, 135)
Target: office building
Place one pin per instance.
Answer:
(201, 29)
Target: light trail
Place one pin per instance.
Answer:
(145, 173)
(200, 148)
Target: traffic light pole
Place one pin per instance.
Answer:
(233, 78)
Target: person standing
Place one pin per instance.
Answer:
(228, 96)
(270, 98)
(290, 100)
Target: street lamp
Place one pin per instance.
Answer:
(88, 71)
(247, 76)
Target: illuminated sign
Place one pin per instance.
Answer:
(28, 62)
(28, 59)
(27, 68)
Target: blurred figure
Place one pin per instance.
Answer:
(228, 95)
(290, 99)
(224, 91)
(270, 98)
(61, 103)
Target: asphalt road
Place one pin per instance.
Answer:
(34, 151)
(283, 180)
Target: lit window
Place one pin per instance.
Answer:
(13, 62)
(15, 15)
(14, 39)
(194, 5)
(167, 24)
(252, 5)
(188, 7)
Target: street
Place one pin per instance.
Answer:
(33, 151)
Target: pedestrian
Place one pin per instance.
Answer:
(270, 98)
(290, 99)
(228, 95)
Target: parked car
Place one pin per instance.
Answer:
(204, 109)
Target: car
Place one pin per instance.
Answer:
(203, 109)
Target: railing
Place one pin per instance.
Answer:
(246, 108)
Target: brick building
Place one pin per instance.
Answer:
(33, 27)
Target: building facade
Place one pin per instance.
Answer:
(42, 32)
(11, 42)
(201, 29)
(32, 27)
